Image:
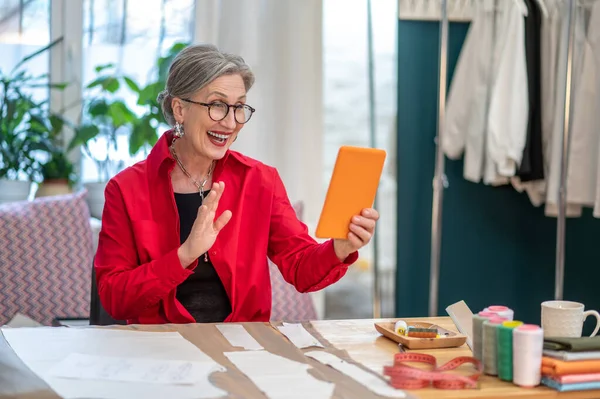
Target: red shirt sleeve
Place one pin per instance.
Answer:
(303, 262)
(126, 288)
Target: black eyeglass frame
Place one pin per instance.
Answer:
(229, 106)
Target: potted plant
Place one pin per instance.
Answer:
(58, 175)
(26, 128)
(144, 134)
(105, 114)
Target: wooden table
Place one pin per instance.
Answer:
(354, 340)
(366, 346)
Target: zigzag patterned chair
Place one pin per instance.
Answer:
(287, 303)
(45, 255)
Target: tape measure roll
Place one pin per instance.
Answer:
(403, 376)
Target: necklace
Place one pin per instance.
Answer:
(199, 186)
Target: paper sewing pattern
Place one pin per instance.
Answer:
(237, 336)
(41, 348)
(112, 368)
(298, 335)
(368, 380)
(278, 377)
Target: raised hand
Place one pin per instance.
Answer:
(206, 228)
(362, 228)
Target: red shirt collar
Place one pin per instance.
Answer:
(161, 155)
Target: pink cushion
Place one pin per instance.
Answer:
(287, 303)
(45, 258)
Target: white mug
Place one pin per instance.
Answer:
(565, 319)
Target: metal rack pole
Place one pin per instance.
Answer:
(439, 181)
(373, 142)
(564, 160)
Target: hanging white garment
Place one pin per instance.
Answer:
(493, 56)
(555, 141)
(594, 40)
(467, 97)
(550, 40)
(583, 148)
(509, 103)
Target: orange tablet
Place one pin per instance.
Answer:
(352, 188)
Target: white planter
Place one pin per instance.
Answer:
(14, 190)
(95, 198)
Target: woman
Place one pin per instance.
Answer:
(186, 233)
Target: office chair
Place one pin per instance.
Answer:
(98, 315)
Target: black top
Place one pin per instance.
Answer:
(202, 293)
(532, 163)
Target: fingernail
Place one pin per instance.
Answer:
(356, 219)
(367, 212)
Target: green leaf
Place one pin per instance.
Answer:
(120, 114)
(98, 108)
(57, 123)
(149, 93)
(37, 124)
(136, 139)
(101, 68)
(164, 63)
(132, 85)
(96, 82)
(108, 83)
(41, 145)
(40, 51)
(83, 134)
(142, 134)
(112, 85)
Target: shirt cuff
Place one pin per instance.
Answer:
(169, 268)
(333, 258)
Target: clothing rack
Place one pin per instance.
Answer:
(440, 181)
(564, 160)
(373, 144)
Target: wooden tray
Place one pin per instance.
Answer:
(448, 339)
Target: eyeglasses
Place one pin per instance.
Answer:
(218, 110)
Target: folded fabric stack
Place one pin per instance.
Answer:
(571, 364)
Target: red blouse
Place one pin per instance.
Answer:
(137, 267)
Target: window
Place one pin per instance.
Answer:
(131, 34)
(346, 101)
(25, 29)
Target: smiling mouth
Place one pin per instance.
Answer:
(218, 138)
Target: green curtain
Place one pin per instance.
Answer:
(497, 248)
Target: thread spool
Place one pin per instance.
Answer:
(478, 319)
(502, 311)
(528, 342)
(400, 327)
(505, 349)
(490, 346)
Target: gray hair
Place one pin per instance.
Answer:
(195, 67)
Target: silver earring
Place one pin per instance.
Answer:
(179, 130)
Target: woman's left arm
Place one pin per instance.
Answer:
(303, 262)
